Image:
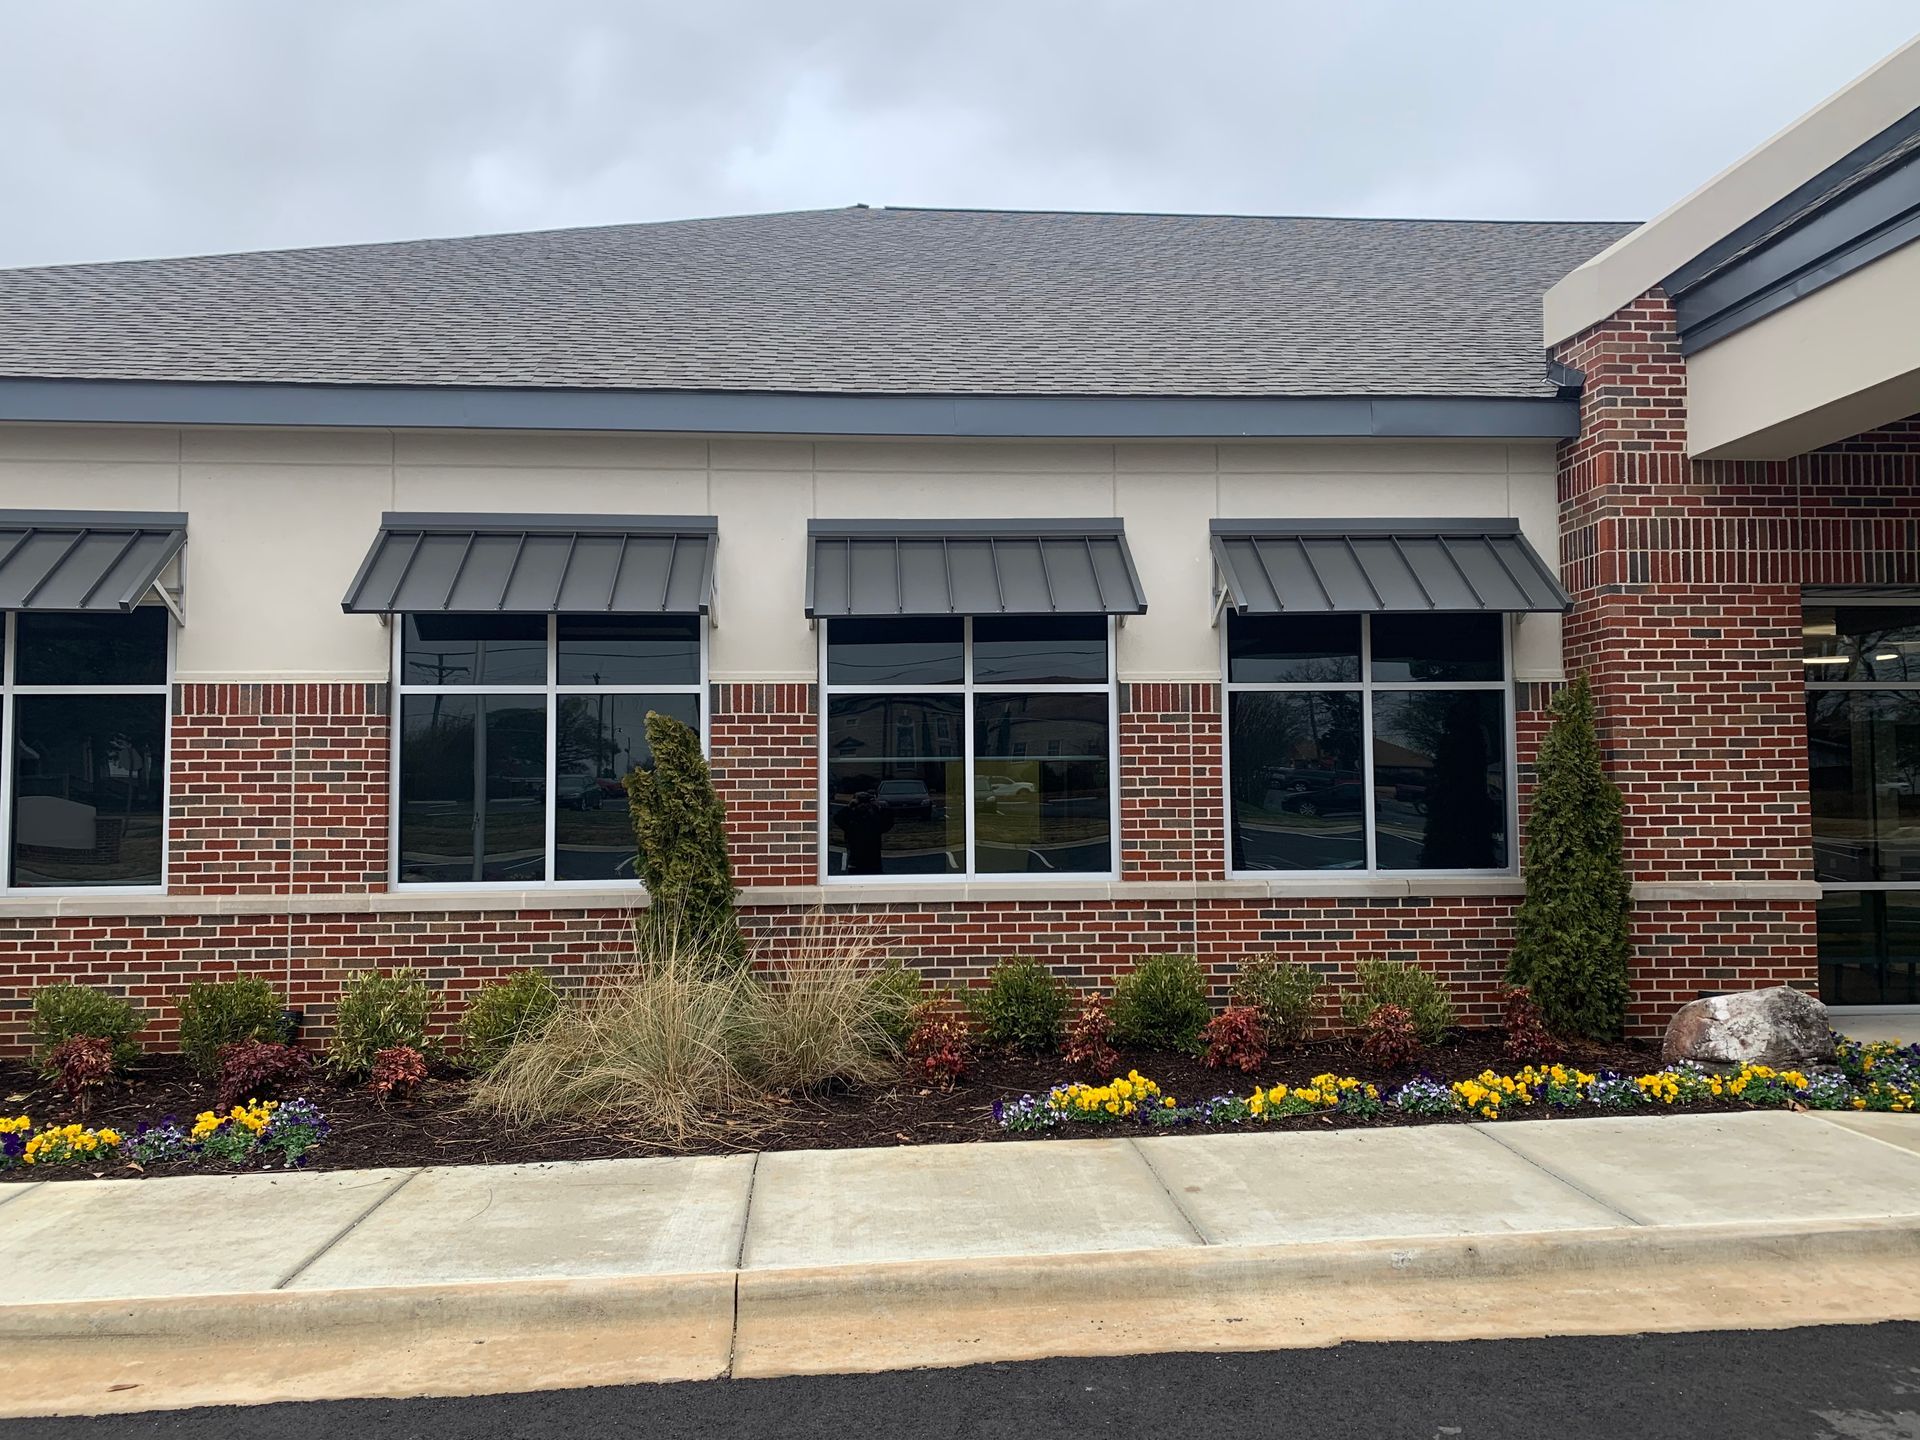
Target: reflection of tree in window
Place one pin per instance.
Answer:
(1463, 829)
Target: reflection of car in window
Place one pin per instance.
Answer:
(1348, 799)
(904, 796)
(577, 790)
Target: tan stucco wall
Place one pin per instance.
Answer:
(1843, 360)
(279, 520)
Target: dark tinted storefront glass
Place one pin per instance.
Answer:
(896, 781)
(473, 788)
(1869, 944)
(1298, 792)
(1040, 650)
(474, 650)
(56, 649)
(601, 740)
(629, 649)
(896, 652)
(1293, 649)
(1042, 784)
(1863, 759)
(1440, 780)
(1438, 647)
(1861, 642)
(88, 789)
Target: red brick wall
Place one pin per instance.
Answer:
(1686, 577)
(764, 753)
(1171, 825)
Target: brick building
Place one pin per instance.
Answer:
(1068, 585)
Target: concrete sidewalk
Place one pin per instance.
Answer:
(135, 1295)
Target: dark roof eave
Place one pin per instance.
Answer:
(1151, 417)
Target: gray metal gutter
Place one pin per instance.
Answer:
(169, 402)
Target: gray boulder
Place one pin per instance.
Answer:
(1783, 1027)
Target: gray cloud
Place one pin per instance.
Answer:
(134, 128)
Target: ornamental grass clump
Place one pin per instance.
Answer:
(1162, 1005)
(376, 1012)
(226, 1012)
(1285, 992)
(503, 1013)
(1422, 994)
(62, 1012)
(1023, 1007)
(826, 1015)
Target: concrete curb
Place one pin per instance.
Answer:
(128, 1355)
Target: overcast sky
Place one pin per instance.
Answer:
(161, 127)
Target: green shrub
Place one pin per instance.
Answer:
(1024, 1005)
(376, 1012)
(1421, 993)
(680, 829)
(221, 1012)
(61, 1012)
(1285, 992)
(503, 1012)
(900, 990)
(1162, 1004)
(1571, 935)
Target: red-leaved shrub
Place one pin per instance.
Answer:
(256, 1070)
(1236, 1039)
(1528, 1038)
(941, 1045)
(1388, 1038)
(1089, 1041)
(396, 1070)
(80, 1066)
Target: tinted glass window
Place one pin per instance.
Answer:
(473, 787)
(474, 650)
(57, 649)
(601, 740)
(1298, 789)
(1863, 758)
(1440, 780)
(1042, 785)
(896, 652)
(1869, 943)
(1293, 649)
(629, 649)
(1438, 647)
(1861, 642)
(1039, 650)
(88, 785)
(895, 781)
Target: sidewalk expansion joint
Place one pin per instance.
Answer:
(13, 1192)
(1832, 1122)
(1172, 1199)
(740, 1259)
(1552, 1174)
(345, 1230)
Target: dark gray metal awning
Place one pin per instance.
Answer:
(537, 564)
(1304, 567)
(89, 560)
(970, 567)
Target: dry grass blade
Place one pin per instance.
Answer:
(823, 1017)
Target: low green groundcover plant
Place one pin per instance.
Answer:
(1161, 1005)
(226, 1012)
(1419, 992)
(502, 1013)
(64, 1012)
(378, 1011)
(1024, 1006)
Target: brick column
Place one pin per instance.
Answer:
(1687, 618)
(1170, 782)
(764, 753)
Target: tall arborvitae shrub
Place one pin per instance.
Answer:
(1571, 943)
(680, 826)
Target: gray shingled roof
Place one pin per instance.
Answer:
(852, 301)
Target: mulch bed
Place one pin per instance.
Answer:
(433, 1127)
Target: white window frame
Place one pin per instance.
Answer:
(969, 689)
(9, 691)
(553, 691)
(1366, 687)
